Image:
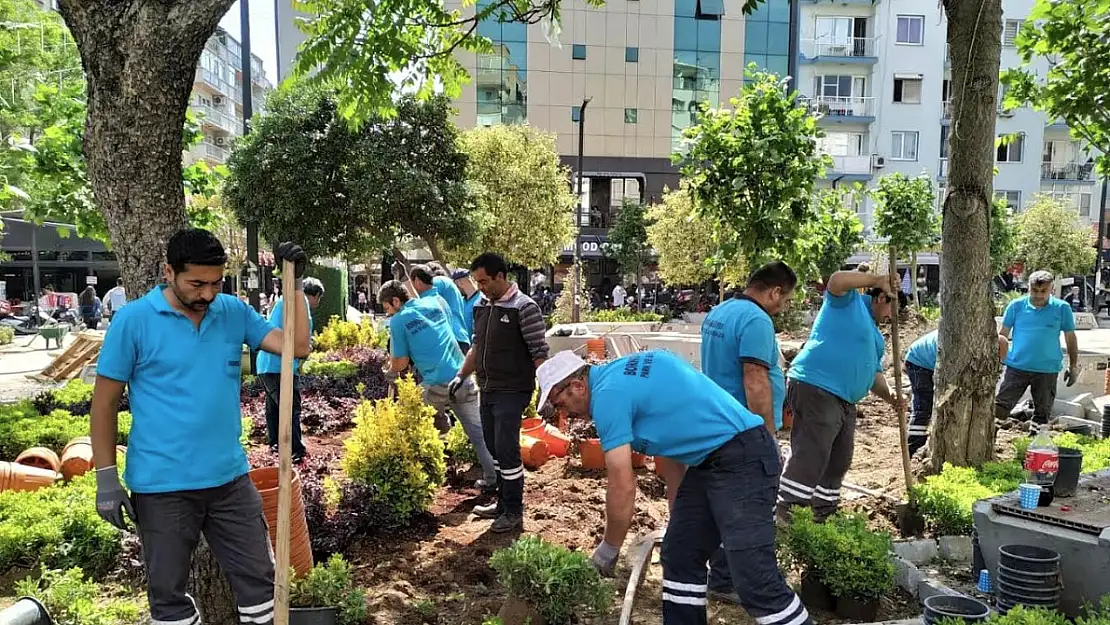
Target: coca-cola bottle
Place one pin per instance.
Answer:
(1042, 461)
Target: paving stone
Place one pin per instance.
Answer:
(919, 551)
(955, 548)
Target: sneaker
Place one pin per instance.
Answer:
(489, 511)
(727, 595)
(507, 522)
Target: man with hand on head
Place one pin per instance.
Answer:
(179, 350)
(655, 403)
(470, 294)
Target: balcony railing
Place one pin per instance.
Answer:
(942, 168)
(859, 164)
(1067, 171)
(845, 106)
(947, 111)
(216, 152)
(219, 119)
(841, 47)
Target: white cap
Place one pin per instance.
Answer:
(554, 370)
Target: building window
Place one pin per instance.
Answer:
(911, 30)
(1013, 198)
(575, 113)
(710, 9)
(631, 55)
(843, 86)
(903, 145)
(1084, 204)
(630, 116)
(1009, 32)
(578, 51)
(843, 144)
(1011, 148)
(907, 90)
(944, 141)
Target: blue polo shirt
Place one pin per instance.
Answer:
(445, 288)
(421, 332)
(468, 312)
(923, 352)
(662, 406)
(736, 332)
(844, 350)
(1035, 341)
(266, 362)
(183, 383)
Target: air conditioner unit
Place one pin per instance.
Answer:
(877, 161)
(1005, 112)
(218, 100)
(221, 141)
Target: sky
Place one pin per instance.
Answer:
(262, 33)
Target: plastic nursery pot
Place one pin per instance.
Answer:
(589, 449)
(40, 458)
(857, 611)
(1067, 479)
(77, 457)
(558, 444)
(815, 594)
(1029, 559)
(639, 461)
(1045, 581)
(956, 606)
(533, 452)
(24, 478)
(313, 616)
(1023, 594)
(532, 427)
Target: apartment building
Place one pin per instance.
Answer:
(217, 97)
(879, 73)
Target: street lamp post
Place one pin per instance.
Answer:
(577, 311)
(248, 112)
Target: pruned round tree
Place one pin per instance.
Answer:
(1051, 237)
(830, 238)
(628, 241)
(683, 239)
(1004, 232)
(904, 216)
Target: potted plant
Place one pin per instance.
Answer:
(803, 543)
(327, 596)
(547, 584)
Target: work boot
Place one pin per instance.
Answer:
(507, 522)
(489, 511)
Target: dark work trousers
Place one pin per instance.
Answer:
(921, 383)
(272, 382)
(501, 413)
(729, 498)
(169, 526)
(1014, 382)
(821, 445)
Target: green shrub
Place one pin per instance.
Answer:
(21, 426)
(339, 334)
(396, 448)
(334, 303)
(555, 581)
(1096, 451)
(57, 527)
(850, 559)
(73, 393)
(1096, 614)
(623, 315)
(7, 335)
(1025, 615)
(337, 369)
(458, 445)
(330, 586)
(945, 500)
(73, 600)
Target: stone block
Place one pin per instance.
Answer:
(955, 548)
(1067, 408)
(931, 588)
(1085, 321)
(918, 551)
(907, 576)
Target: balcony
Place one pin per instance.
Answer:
(1068, 172)
(216, 118)
(852, 165)
(942, 169)
(217, 84)
(846, 50)
(845, 109)
(946, 112)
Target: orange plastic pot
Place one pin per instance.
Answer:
(558, 444)
(41, 458)
(533, 451)
(265, 480)
(77, 457)
(591, 454)
(595, 349)
(639, 461)
(532, 427)
(24, 478)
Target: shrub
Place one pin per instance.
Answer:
(73, 600)
(7, 335)
(945, 500)
(21, 426)
(850, 559)
(1025, 615)
(334, 303)
(330, 585)
(57, 527)
(1096, 614)
(396, 447)
(623, 315)
(555, 581)
(458, 445)
(336, 369)
(339, 334)
(1096, 451)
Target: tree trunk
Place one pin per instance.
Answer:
(433, 247)
(210, 589)
(963, 426)
(913, 280)
(139, 59)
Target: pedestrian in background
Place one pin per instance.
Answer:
(89, 306)
(115, 298)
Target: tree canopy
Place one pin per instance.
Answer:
(684, 242)
(751, 169)
(1051, 237)
(628, 239)
(904, 212)
(525, 204)
(829, 239)
(1004, 232)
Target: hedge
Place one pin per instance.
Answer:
(335, 295)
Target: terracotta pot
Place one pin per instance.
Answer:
(532, 427)
(24, 478)
(265, 480)
(592, 456)
(40, 457)
(639, 461)
(77, 457)
(533, 452)
(595, 349)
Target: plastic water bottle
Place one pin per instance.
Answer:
(1042, 462)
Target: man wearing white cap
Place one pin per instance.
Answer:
(657, 404)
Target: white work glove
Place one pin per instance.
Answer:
(111, 500)
(453, 386)
(604, 558)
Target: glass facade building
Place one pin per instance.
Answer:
(697, 61)
(501, 78)
(767, 37)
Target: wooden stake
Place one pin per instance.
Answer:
(285, 444)
(896, 350)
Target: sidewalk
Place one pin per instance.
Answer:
(25, 356)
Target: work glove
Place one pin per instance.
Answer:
(604, 558)
(111, 500)
(294, 254)
(1070, 376)
(453, 386)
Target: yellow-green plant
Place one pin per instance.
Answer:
(73, 600)
(330, 585)
(396, 448)
(850, 559)
(557, 582)
(458, 445)
(339, 334)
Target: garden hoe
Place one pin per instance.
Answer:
(641, 553)
(285, 444)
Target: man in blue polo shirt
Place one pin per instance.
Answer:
(655, 403)
(1035, 359)
(470, 294)
(426, 284)
(420, 335)
(268, 367)
(179, 351)
(839, 364)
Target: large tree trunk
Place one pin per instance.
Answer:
(963, 428)
(139, 59)
(210, 589)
